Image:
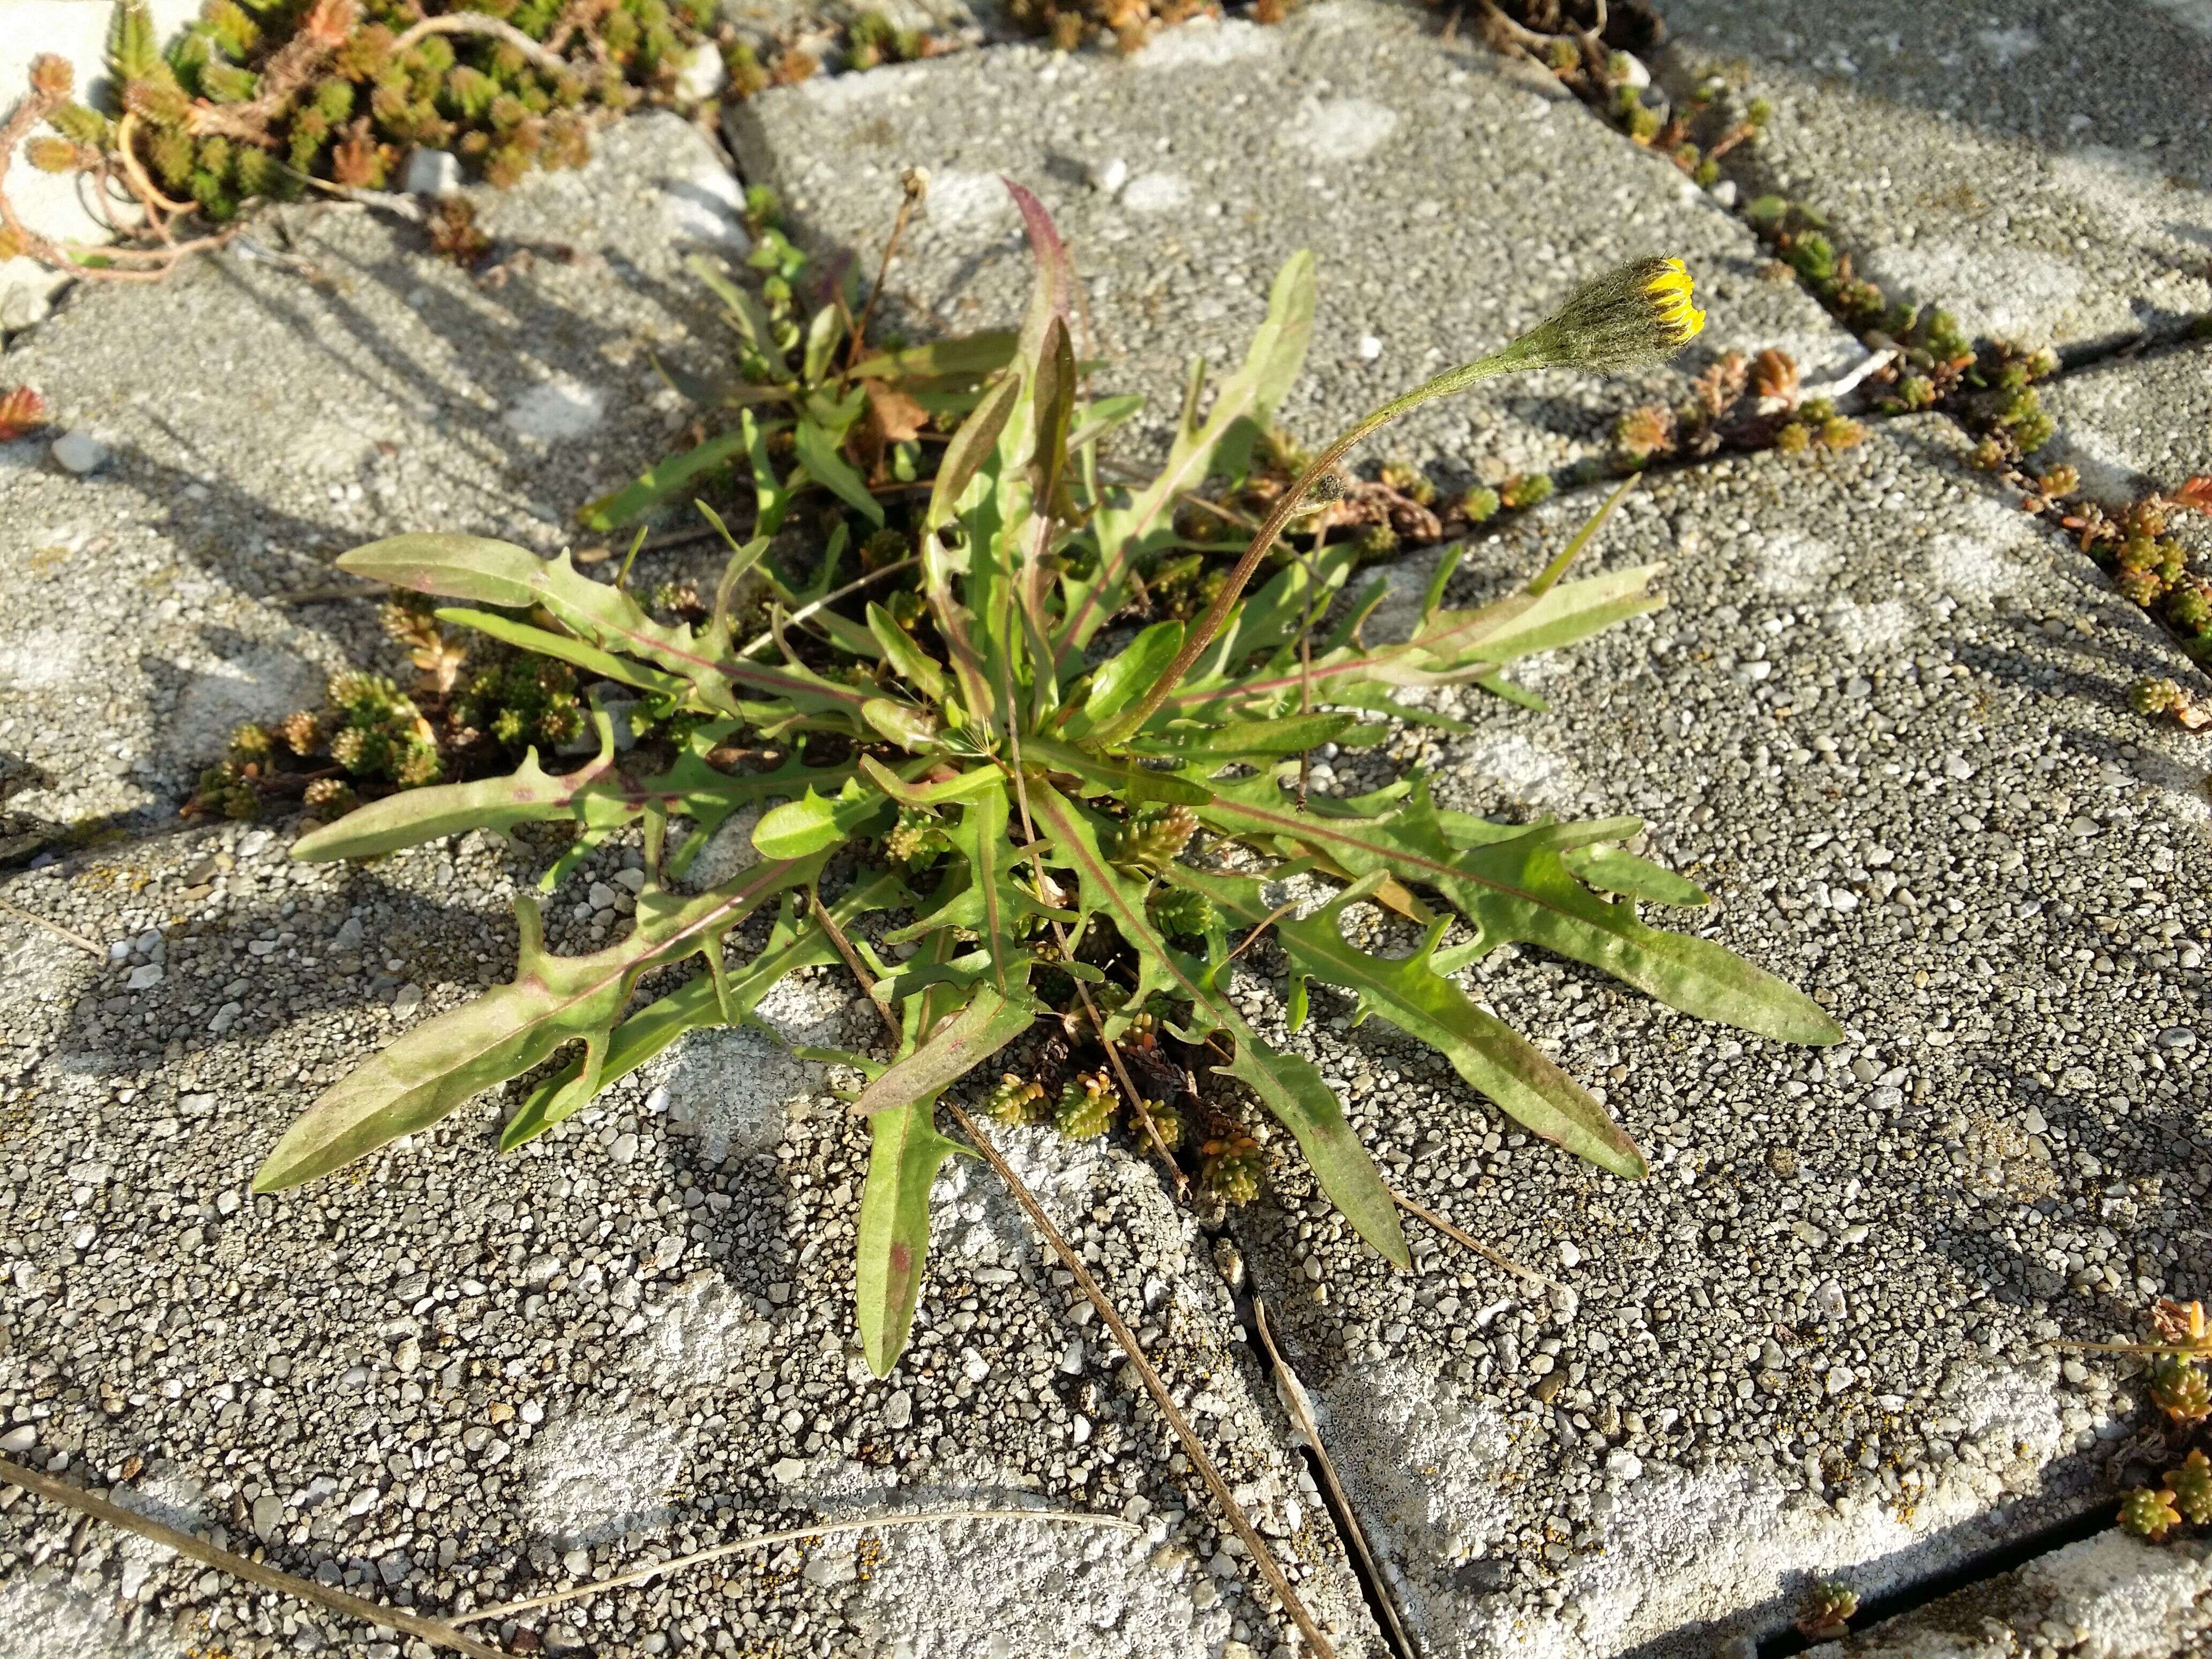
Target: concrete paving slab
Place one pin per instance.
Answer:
(451, 1378)
(220, 437)
(2135, 425)
(1885, 722)
(2111, 1596)
(1450, 195)
(2043, 174)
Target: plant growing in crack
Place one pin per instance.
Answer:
(1086, 841)
(2180, 1390)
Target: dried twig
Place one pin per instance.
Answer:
(54, 927)
(795, 1535)
(254, 1572)
(853, 961)
(1262, 1557)
(287, 71)
(476, 22)
(915, 184)
(1297, 1406)
(1460, 1236)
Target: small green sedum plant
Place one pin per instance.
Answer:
(1079, 838)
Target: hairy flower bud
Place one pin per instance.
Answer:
(1633, 315)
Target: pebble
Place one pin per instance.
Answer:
(268, 1515)
(406, 1001)
(21, 1438)
(898, 1410)
(79, 452)
(432, 172)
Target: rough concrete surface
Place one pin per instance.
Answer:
(2044, 173)
(330, 382)
(2135, 425)
(2110, 1597)
(1884, 722)
(1450, 198)
(452, 1378)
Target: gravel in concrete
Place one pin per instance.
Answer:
(451, 1378)
(1450, 197)
(219, 438)
(1884, 722)
(2043, 173)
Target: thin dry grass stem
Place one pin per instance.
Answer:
(1227, 515)
(380, 201)
(1466, 1240)
(1121, 1072)
(810, 608)
(1258, 928)
(795, 1535)
(53, 928)
(1262, 1557)
(1297, 1406)
(254, 1572)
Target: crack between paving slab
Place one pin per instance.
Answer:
(1989, 1564)
(1381, 1607)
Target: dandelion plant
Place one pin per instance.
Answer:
(1071, 828)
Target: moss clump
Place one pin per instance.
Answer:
(517, 702)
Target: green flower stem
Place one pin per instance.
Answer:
(1530, 351)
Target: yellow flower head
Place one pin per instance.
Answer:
(1669, 290)
(1633, 315)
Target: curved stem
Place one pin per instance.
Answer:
(476, 22)
(1518, 356)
